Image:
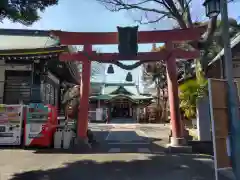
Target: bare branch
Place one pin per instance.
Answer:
(176, 14)
(120, 5)
(151, 21)
(179, 10)
(186, 12)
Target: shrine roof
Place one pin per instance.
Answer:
(110, 97)
(33, 53)
(22, 44)
(130, 89)
(114, 91)
(25, 39)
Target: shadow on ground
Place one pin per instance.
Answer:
(163, 166)
(126, 141)
(129, 142)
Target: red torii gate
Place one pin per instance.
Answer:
(87, 39)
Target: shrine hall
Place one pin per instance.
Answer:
(121, 101)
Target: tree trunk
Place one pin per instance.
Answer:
(164, 107)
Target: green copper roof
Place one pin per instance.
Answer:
(132, 89)
(129, 89)
(110, 89)
(114, 96)
(101, 97)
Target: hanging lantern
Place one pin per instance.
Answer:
(212, 7)
(110, 69)
(129, 77)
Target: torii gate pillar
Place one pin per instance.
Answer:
(82, 124)
(177, 138)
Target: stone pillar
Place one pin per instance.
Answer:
(203, 120)
(137, 113)
(130, 111)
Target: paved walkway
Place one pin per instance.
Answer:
(126, 155)
(122, 120)
(29, 165)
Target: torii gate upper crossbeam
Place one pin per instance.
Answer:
(82, 38)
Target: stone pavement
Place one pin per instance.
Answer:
(131, 137)
(123, 154)
(28, 165)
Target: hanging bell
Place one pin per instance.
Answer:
(129, 77)
(110, 69)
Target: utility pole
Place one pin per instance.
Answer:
(234, 120)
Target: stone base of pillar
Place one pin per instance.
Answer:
(179, 145)
(178, 141)
(82, 144)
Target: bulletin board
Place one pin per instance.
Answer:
(219, 119)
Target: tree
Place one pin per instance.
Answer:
(190, 91)
(23, 11)
(177, 10)
(185, 66)
(154, 74)
(188, 98)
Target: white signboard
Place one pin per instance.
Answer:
(99, 114)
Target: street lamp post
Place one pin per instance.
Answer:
(213, 7)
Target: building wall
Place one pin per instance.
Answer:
(5, 67)
(13, 67)
(215, 70)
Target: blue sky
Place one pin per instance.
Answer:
(88, 15)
